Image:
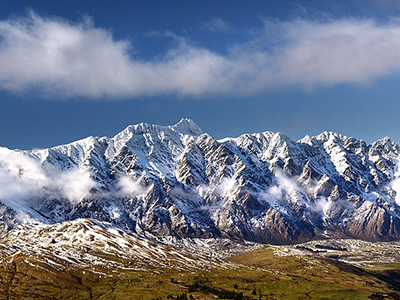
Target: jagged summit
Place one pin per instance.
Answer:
(176, 180)
(184, 126)
(187, 126)
(327, 135)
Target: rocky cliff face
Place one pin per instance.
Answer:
(177, 180)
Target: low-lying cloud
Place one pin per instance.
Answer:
(66, 59)
(222, 189)
(23, 181)
(285, 189)
(289, 189)
(395, 184)
(129, 187)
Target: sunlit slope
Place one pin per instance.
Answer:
(86, 259)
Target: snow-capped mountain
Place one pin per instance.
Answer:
(178, 181)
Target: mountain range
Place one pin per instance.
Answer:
(176, 181)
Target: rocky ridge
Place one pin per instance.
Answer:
(178, 181)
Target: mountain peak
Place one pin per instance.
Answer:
(187, 126)
(175, 181)
(184, 126)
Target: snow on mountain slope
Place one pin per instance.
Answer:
(178, 181)
(98, 246)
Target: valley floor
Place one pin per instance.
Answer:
(107, 263)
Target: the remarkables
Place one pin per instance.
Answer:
(177, 180)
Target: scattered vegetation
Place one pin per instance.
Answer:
(220, 293)
(259, 275)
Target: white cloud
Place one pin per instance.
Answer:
(395, 185)
(74, 184)
(289, 189)
(23, 218)
(23, 181)
(224, 188)
(129, 187)
(21, 177)
(60, 58)
(285, 186)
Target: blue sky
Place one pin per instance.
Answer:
(69, 69)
